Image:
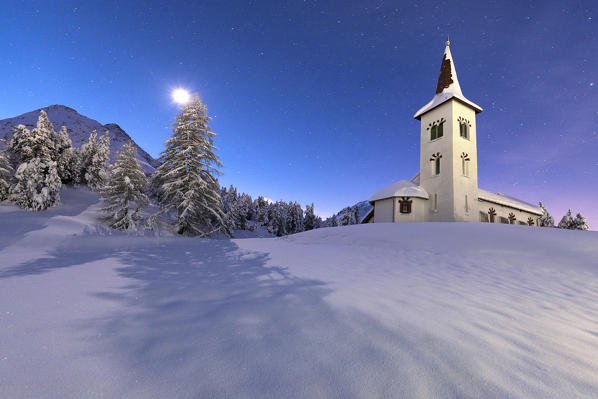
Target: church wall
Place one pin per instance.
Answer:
(441, 185)
(418, 211)
(503, 211)
(383, 211)
(464, 210)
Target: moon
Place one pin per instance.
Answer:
(181, 96)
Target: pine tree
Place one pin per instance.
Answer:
(123, 189)
(294, 218)
(261, 210)
(580, 223)
(5, 176)
(567, 221)
(94, 160)
(37, 182)
(310, 217)
(21, 146)
(347, 216)
(278, 219)
(546, 219)
(64, 153)
(38, 185)
(333, 221)
(187, 175)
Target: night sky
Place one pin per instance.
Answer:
(314, 100)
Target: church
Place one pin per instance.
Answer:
(446, 187)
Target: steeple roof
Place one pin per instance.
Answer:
(448, 86)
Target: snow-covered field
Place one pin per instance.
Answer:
(418, 310)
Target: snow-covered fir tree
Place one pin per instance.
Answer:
(244, 211)
(580, 222)
(123, 192)
(294, 218)
(309, 221)
(348, 216)
(187, 176)
(278, 219)
(333, 221)
(261, 210)
(37, 182)
(546, 220)
(93, 161)
(38, 185)
(64, 157)
(567, 221)
(6, 173)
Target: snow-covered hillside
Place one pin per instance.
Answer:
(367, 311)
(79, 127)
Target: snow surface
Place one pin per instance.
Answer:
(379, 310)
(402, 188)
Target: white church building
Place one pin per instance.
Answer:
(446, 187)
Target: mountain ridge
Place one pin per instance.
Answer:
(79, 127)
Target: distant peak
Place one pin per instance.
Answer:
(58, 106)
(113, 126)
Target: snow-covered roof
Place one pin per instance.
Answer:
(506, 200)
(448, 86)
(402, 188)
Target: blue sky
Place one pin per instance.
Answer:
(314, 100)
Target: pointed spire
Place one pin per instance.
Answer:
(448, 85)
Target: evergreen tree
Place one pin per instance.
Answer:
(124, 190)
(261, 210)
(309, 221)
(93, 161)
(38, 185)
(546, 219)
(294, 218)
(5, 176)
(64, 153)
(580, 222)
(347, 216)
(333, 221)
(187, 173)
(567, 221)
(21, 146)
(278, 219)
(37, 182)
(244, 207)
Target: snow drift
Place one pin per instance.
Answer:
(379, 310)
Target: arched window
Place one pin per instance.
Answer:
(435, 160)
(530, 221)
(465, 164)
(405, 205)
(436, 129)
(464, 126)
(491, 214)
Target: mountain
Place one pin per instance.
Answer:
(79, 128)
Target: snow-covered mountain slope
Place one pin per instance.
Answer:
(79, 127)
(453, 310)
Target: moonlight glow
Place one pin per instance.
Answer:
(181, 96)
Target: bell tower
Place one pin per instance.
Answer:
(448, 149)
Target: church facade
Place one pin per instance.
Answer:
(446, 187)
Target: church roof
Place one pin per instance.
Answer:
(448, 86)
(402, 188)
(511, 202)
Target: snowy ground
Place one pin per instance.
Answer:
(419, 310)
